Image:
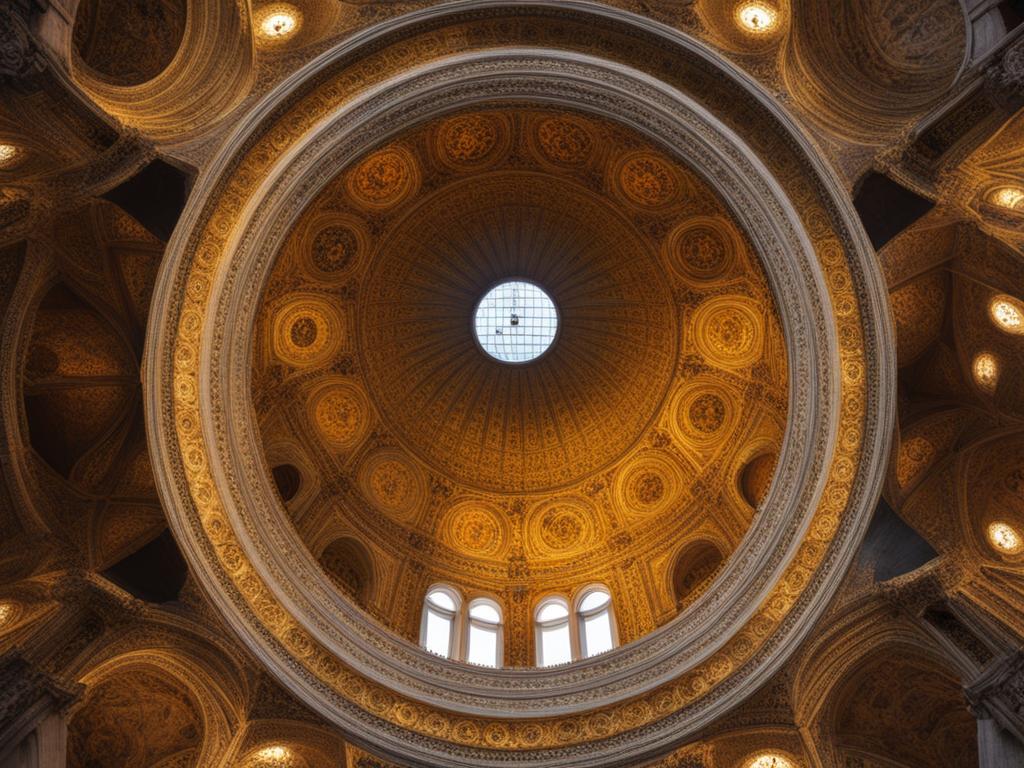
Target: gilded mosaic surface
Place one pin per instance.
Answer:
(576, 728)
(519, 480)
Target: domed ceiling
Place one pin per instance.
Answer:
(651, 424)
(316, 313)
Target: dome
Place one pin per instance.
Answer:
(487, 383)
(557, 471)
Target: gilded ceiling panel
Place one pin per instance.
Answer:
(577, 463)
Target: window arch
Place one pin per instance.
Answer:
(554, 633)
(441, 609)
(484, 636)
(595, 621)
(563, 635)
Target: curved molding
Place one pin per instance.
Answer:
(210, 74)
(225, 385)
(819, 359)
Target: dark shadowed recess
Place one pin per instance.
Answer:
(891, 547)
(887, 208)
(155, 196)
(155, 573)
(287, 479)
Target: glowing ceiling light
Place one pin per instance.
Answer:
(1007, 313)
(1011, 197)
(278, 22)
(1004, 537)
(275, 756)
(770, 760)
(10, 155)
(986, 370)
(757, 18)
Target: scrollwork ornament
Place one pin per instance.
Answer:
(204, 509)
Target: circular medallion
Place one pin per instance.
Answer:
(341, 414)
(647, 180)
(565, 140)
(307, 331)
(390, 482)
(703, 248)
(727, 331)
(475, 529)
(560, 527)
(385, 178)
(650, 484)
(471, 141)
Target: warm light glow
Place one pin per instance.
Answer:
(6, 613)
(1008, 314)
(515, 322)
(275, 756)
(770, 760)
(277, 22)
(986, 370)
(1004, 537)
(757, 18)
(1007, 197)
(10, 155)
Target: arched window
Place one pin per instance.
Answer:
(554, 637)
(483, 636)
(595, 622)
(440, 621)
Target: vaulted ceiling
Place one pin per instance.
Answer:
(640, 452)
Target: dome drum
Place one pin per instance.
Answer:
(229, 519)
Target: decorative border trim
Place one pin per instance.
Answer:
(193, 485)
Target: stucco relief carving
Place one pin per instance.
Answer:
(844, 475)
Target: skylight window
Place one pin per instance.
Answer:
(516, 322)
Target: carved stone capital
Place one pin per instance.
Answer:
(27, 695)
(913, 592)
(1004, 81)
(998, 692)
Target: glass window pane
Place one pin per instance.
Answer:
(483, 646)
(597, 633)
(516, 321)
(439, 633)
(594, 599)
(556, 609)
(555, 645)
(485, 612)
(442, 599)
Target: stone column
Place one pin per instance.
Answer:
(33, 728)
(997, 747)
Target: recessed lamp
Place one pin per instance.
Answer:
(1011, 197)
(1008, 314)
(770, 760)
(986, 370)
(757, 18)
(1004, 537)
(10, 155)
(278, 22)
